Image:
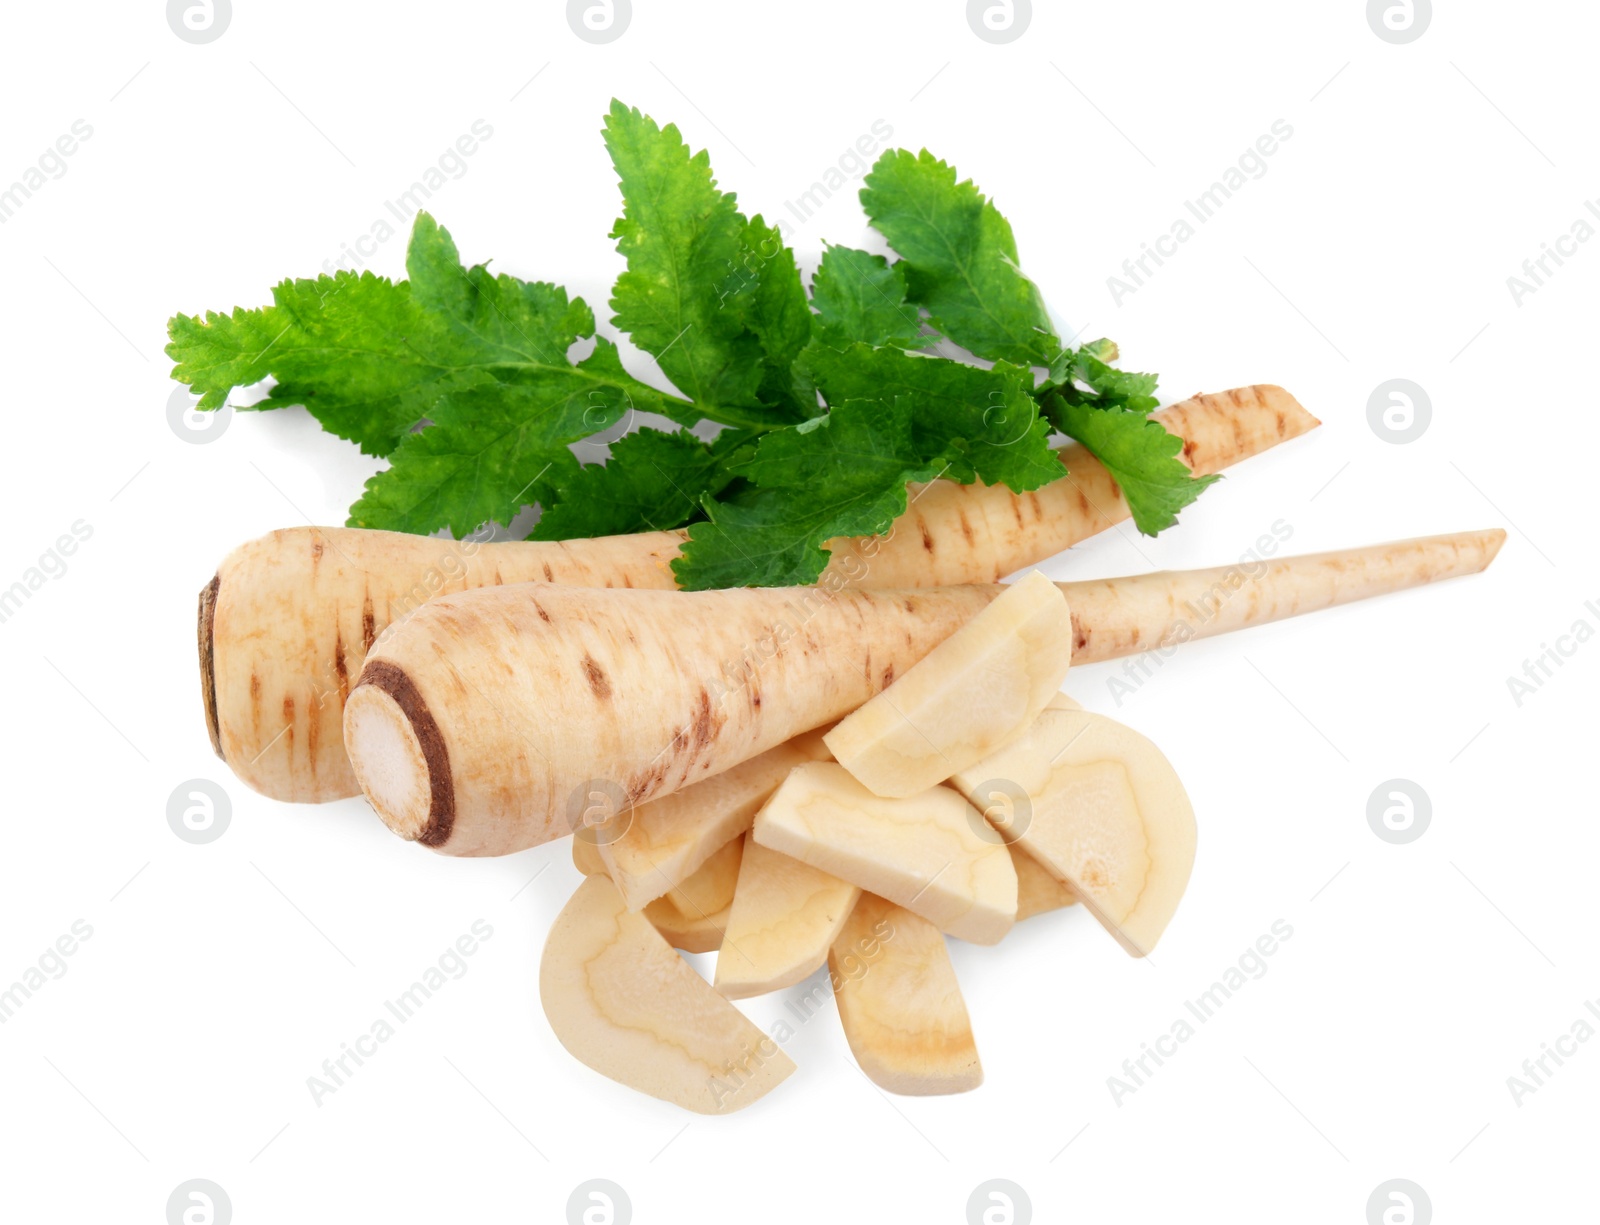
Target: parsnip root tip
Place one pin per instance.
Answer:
(399, 755)
(1494, 539)
(208, 660)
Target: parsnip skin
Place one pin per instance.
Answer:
(540, 693)
(622, 1002)
(1123, 616)
(287, 622)
(521, 698)
(904, 1017)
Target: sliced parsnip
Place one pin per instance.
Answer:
(974, 691)
(709, 888)
(693, 916)
(1037, 891)
(668, 839)
(931, 853)
(902, 1010)
(784, 916)
(626, 1005)
(1105, 813)
(586, 857)
(691, 933)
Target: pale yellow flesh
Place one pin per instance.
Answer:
(676, 915)
(536, 691)
(693, 915)
(586, 857)
(297, 611)
(931, 853)
(902, 1010)
(1108, 816)
(710, 887)
(974, 691)
(784, 917)
(623, 1003)
(668, 839)
(1038, 892)
(691, 933)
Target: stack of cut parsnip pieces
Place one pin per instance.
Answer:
(968, 794)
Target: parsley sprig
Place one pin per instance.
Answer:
(829, 402)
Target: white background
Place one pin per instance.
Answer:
(1377, 245)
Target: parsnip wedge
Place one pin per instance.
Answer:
(693, 915)
(974, 691)
(784, 916)
(904, 1016)
(931, 853)
(668, 839)
(586, 857)
(1106, 814)
(1037, 891)
(710, 887)
(691, 933)
(626, 1005)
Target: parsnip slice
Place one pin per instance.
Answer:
(586, 857)
(668, 839)
(902, 1010)
(693, 916)
(1037, 891)
(626, 1005)
(970, 694)
(1108, 817)
(931, 853)
(784, 916)
(691, 933)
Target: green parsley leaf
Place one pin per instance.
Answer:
(842, 474)
(983, 422)
(356, 349)
(767, 291)
(495, 444)
(960, 258)
(1107, 386)
(369, 358)
(653, 481)
(1140, 455)
(862, 298)
(683, 239)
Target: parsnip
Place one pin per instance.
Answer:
(903, 1015)
(668, 839)
(691, 933)
(476, 721)
(288, 620)
(1037, 891)
(1106, 814)
(710, 887)
(586, 858)
(626, 1005)
(928, 853)
(784, 916)
(678, 915)
(974, 691)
